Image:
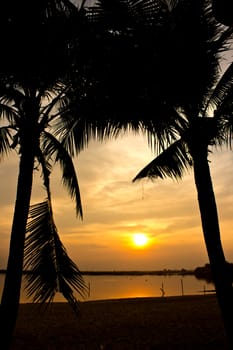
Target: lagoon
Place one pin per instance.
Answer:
(133, 286)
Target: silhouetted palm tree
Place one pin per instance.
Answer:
(156, 67)
(201, 95)
(35, 76)
(31, 133)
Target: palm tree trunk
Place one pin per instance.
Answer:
(211, 231)
(12, 286)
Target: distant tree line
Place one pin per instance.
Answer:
(204, 272)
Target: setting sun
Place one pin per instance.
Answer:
(140, 240)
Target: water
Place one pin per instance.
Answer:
(131, 286)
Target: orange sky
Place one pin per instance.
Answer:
(115, 209)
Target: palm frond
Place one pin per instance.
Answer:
(51, 269)
(46, 170)
(54, 148)
(224, 118)
(12, 96)
(8, 112)
(222, 90)
(173, 162)
(227, 130)
(161, 121)
(74, 131)
(165, 128)
(57, 97)
(125, 13)
(215, 42)
(5, 141)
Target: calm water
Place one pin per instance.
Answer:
(111, 286)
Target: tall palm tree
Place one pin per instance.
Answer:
(35, 95)
(166, 82)
(30, 133)
(202, 96)
(32, 97)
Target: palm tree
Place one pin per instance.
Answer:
(30, 134)
(204, 105)
(170, 96)
(32, 97)
(36, 92)
(35, 99)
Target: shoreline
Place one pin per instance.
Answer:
(178, 298)
(161, 323)
(164, 272)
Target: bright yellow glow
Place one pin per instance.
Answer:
(140, 240)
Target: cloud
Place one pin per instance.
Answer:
(115, 208)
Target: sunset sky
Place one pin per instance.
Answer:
(115, 209)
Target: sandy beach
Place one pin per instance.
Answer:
(169, 323)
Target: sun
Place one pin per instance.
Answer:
(140, 240)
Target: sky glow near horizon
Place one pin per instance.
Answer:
(115, 209)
